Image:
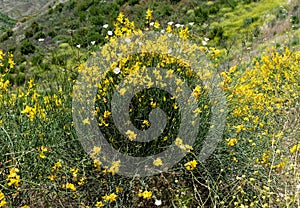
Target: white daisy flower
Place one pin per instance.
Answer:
(110, 33)
(105, 26)
(117, 70)
(170, 23)
(158, 202)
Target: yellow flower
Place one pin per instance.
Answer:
(99, 204)
(70, 186)
(41, 150)
(30, 112)
(106, 114)
(112, 197)
(231, 142)
(131, 135)
(239, 128)
(178, 142)
(145, 194)
(86, 121)
(157, 162)
(56, 166)
(2, 196)
(81, 181)
(156, 24)
(13, 177)
(295, 148)
(114, 167)
(97, 150)
(52, 177)
(97, 164)
(120, 17)
(191, 165)
(148, 16)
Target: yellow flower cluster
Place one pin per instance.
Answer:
(262, 93)
(145, 194)
(13, 177)
(2, 196)
(111, 197)
(191, 165)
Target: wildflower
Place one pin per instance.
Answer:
(86, 121)
(131, 135)
(99, 204)
(74, 173)
(197, 91)
(93, 42)
(110, 33)
(97, 164)
(117, 70)
(178, 142)
(239, 128)
(191, 165)
(145, 194)
(295, 148)
(70, 186)
(148, 16)
(231, 142)
(97, 150)
(112, 197)
(156, 24)
(81, 181)
(157, 202)
(114, 167)
(157, 162)
(30, 112)
(2, 196)
(52, 177)
(41, 150)
(170, 23)
(119, 189)
(105, 26)
(56, 166)
(13, 177)
(120, 17)
(106, 114)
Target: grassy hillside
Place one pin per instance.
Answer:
(18, 9)
(235, 26)
(6, 22)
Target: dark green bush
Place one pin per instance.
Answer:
(39, 35)
(51, 33)
(27, 47)
(28, 33)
